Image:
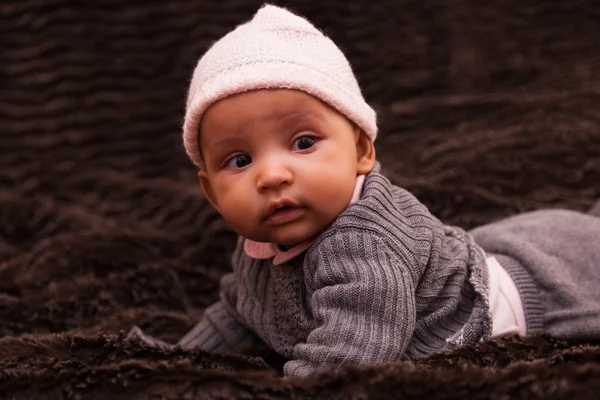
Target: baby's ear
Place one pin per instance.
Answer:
(207, 189)
(365, 152)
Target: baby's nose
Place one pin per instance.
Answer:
(273, 175)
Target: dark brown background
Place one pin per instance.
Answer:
(485, 109)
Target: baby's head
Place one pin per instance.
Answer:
(278, 126)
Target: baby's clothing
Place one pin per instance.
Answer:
(505, 303)
(388, 281)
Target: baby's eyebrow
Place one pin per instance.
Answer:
(297, 116)
(226, 141)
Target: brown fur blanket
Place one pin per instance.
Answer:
(485, 109)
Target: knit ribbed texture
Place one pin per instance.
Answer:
(386, 281)
(275, 50)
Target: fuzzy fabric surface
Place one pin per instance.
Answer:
(485, 109)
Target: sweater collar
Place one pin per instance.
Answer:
(261, 250)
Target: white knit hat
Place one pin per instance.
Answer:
(276, 49)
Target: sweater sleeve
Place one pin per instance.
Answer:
(363, 301)
(220, 328)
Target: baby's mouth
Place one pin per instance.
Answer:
(282, 209)
(284, 214)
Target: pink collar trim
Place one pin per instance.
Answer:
(261, 251)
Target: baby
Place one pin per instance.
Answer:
(335, 265)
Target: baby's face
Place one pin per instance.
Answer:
(280, 164)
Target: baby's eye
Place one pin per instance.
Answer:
(303, 143)
(239, 161)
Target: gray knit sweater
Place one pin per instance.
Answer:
(386, 281)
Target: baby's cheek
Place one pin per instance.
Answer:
(334, 194)
(237, 210)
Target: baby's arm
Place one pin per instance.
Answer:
(364, 301)
(219, 329)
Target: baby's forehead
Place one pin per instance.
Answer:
(275, 117)
(262, 108)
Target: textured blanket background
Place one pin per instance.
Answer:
(485, 109)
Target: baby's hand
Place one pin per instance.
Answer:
(136, 335)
